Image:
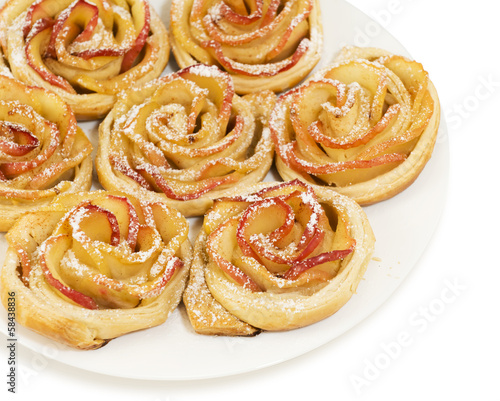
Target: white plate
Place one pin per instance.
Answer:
(403, 226)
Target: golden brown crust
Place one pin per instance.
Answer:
(276, 257)
(123, 43)
(186, 139)
(271, 47)
(365, 126)
(42, 150)
(207, 316)
(94, 266)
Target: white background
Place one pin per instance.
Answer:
(426, 341)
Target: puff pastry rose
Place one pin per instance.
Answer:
(94, 266)
(366, 125)
(86, 51)
(263, 44)
(185, 139)
(276, 257)
(42, 151)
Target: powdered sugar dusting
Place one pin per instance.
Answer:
(207, 71)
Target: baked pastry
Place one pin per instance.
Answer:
(4, 70)
(86, 51)
(185, 139)
(93, 266)
(365, 126)
(42, 151)
(276, 257)
(263, 44)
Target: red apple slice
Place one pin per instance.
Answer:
(283, 24)
(72, 19)
(52, 249)
(41, 9)
(200, 188)
(308, 212)
(260, 218)
(219, 146)
(90, 16)
(218, 244)
(83, 220)
(236, 17)
(36, 43)
(290, 154)
(133, 219)
(219, 84)
(297, 269)
(12, 169)
(92, 53)
(172, 266)
(15, 140)
(284, 188)
(122, 165)
(259, 70)
(296, 29)
(142, 19)
(311, 244)
(317, 132)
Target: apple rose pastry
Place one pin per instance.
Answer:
(185, 139)
(263, 44)
(94, 266)
(86, 51)
(42, 151)
(365, 126)
(276, 257)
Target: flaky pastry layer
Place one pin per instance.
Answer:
(186, 139)
(43, 152)
(96, 265)
(264, 45)
(365, 126)
(276, 257)
(86, 51)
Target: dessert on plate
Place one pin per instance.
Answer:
(86, 51)
(276, 256)
(93, 266)
(263, 44)
(185, 139)
(43, 152)
(365, 126)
